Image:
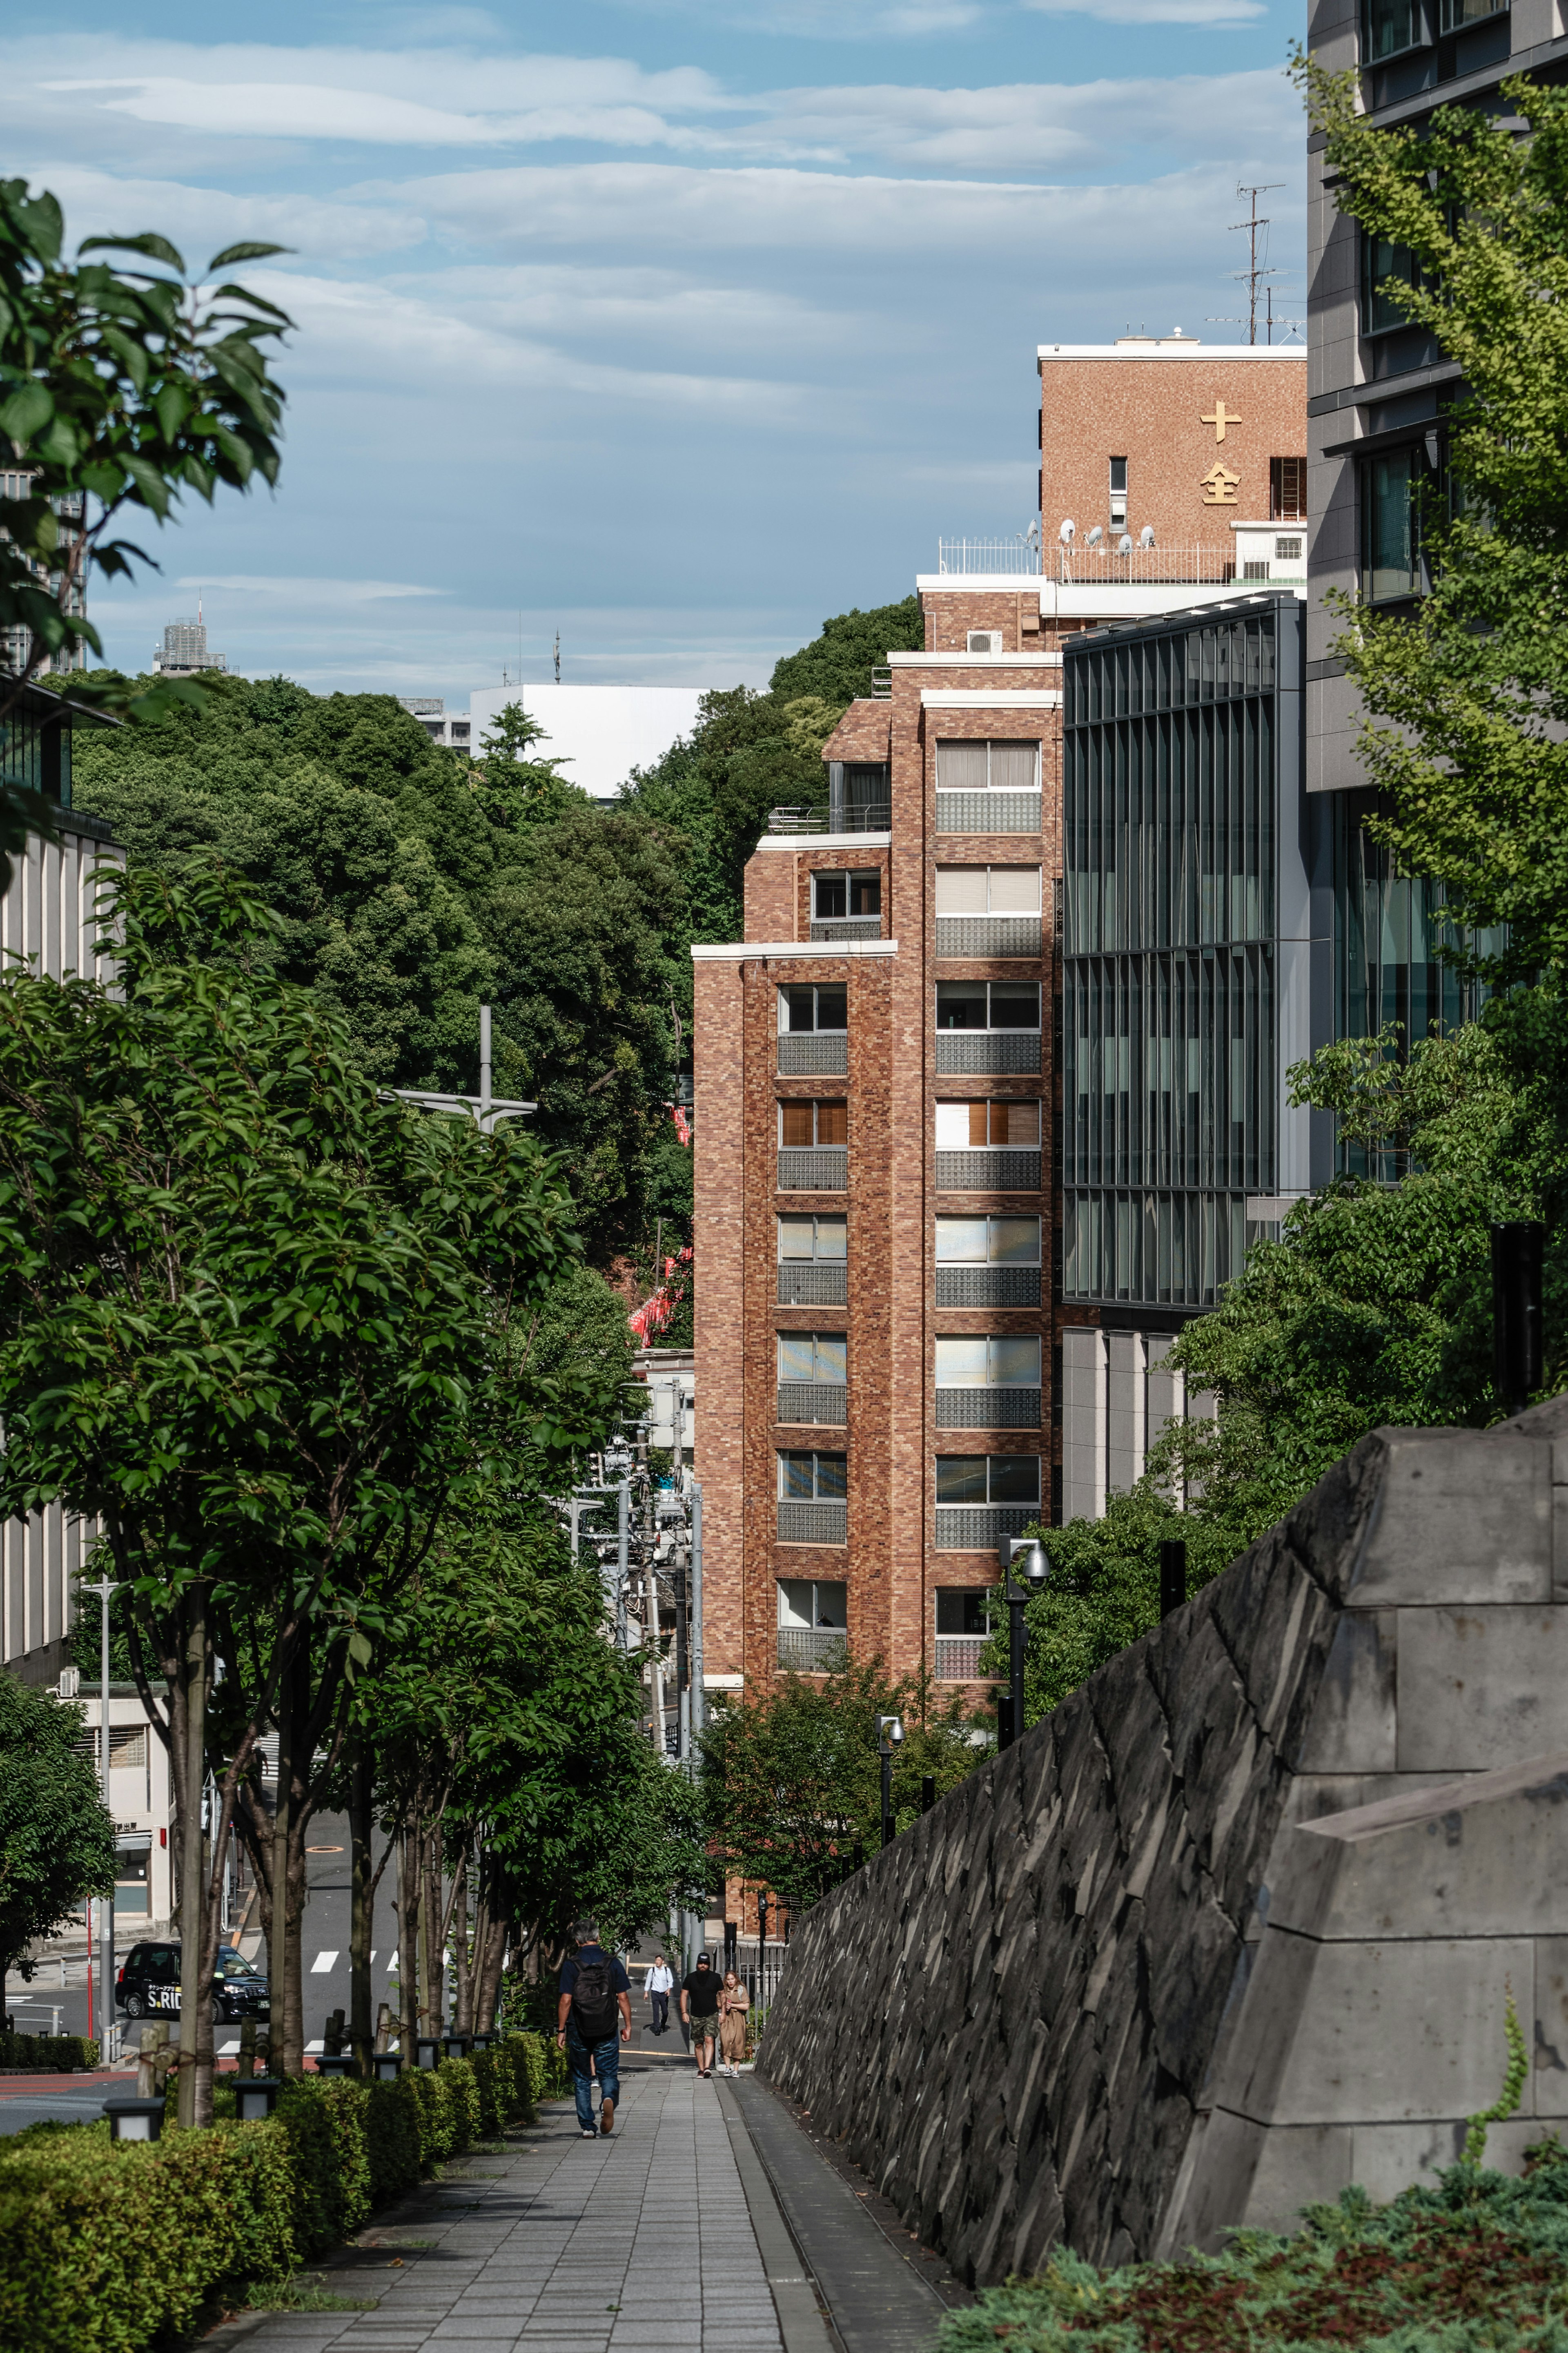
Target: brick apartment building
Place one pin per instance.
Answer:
(878, 1251)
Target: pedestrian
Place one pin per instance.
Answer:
(593, 1988)
(700, 2007)
(733, 2004)
(660, 1985)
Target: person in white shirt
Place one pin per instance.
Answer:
(661, 1983)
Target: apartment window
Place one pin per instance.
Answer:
(805, 1125)
(803, 1009)
(988, 1005)
(1390, 533)
(988, 1242)
(1288, 551)
(1119, 494)
(987, 890)
(1253, 570)
(1385, 268)
(813, 1478)
(807, 1601)
(1454, 15)
(814, 1240)
(1286, 489)
(974, 1361)
(982, 1126)
(836, 896)
(988, 1479)
(815, 1356)
(1389, 27)
(960, 1610)
(987, 768)
(127, 1747)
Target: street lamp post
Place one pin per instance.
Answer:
(890, 1739)
(1026, 1558)
(105, 1588)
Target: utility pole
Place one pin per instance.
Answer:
(1255, 270)
(104, 1589)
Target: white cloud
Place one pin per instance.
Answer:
(313, 590)
(201, 220)
(1218, 13)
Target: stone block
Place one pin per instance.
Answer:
(1460, 1519)
(1354, 1723)
(1480, 1686)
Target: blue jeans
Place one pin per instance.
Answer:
(606, 2059)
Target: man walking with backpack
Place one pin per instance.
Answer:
(592, 2019)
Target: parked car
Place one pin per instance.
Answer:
(149, 1984)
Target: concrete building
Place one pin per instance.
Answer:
(451, 729)
(876, 1066)
(184, 651)
(601, 733)
(17, 483)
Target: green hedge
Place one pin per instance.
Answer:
(46, 2051)
(107, 2247)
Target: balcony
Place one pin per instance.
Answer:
(814, 1168)
(812, 1649)
(813, 1054)
(993, 1053)
(823, 1405)
(958, 1657)
(847, 927)
(991, 1406)
(988, 812)
(988, 1286)
(980, 1528)
(1109, 566)
(817, 817)
(986, 936)
(805, 1522)
(988, 1171)
(804, 1282)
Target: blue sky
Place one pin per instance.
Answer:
(672, 325)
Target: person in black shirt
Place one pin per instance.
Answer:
(700, 2007)
(593, 1988)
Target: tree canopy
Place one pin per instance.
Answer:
(57, 1836)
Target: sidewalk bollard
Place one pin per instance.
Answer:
(336, 2062)
(388, 2065)
(426, 2049)
(455, 2045)
(134, 2119)
(255, 2101)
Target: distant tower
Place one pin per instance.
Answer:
(184, 652)
(557, 657)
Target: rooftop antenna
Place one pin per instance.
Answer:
(557, 657)
(1255, 268)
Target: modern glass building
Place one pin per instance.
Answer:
(1195, 952)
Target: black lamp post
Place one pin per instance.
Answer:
(889, 1739)
(1517, 1252)
(1024, 1557)
(762, 1921)
(1173, 1574)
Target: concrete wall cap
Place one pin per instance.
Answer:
(976, 661)
(766, 949)
(1545, 1776)
(992, 698)
(803, 841)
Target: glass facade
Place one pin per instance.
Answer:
(36, 747)
(1170, 1079)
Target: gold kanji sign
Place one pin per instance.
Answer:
(1219, 487)
(1219, 416)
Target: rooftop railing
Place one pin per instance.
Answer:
(857, 817)
(1104, 564)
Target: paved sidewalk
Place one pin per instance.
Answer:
(642, 2243)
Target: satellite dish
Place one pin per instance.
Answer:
(1095, 537)
(1067, 530)
(1124, 544)
(1146, 536)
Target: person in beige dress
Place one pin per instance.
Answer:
(733, 2004)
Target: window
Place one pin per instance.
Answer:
(987, 890)
(979, 1127)
(1391, 26)
(1453, 15)
(1390, 533)
(975, 1361)
(823, 1240)
(127, 1747)
(962, 1612)
(988, 768)
(843, 894)
(813, 1356)
(802, 1125)
(1253, 570)
(1286, 489)
(987, 1478)
(802, 1601)
(1288, 551)
(988, 1005)
(814, 1009)
(988, 1242)
(1384, 268)
(1119, 494)
(813, 1478)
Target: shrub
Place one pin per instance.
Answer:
(391, 2138)
(46, 2051)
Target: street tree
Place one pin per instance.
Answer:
(57, 1836)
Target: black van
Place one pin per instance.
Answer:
(149, 1984)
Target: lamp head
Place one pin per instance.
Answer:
(1031, 1563)
(889, 1733)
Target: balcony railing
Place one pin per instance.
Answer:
(813, 1168)
(805, 1283)
(815, 817)
(1084, 566)
(987, 812)
(958, 1657)
(980, 1528)
(987, 1052)
(1001, 1171)
(847, 927)
(814, 1523)
(823, 1404)
(986, 936)
(988, 1407)
(988, 1286)
(805, 1054)
(812, 1650)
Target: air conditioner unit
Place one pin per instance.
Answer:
(985, 641)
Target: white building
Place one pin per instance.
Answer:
(600, 733)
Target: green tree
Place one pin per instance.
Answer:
(837, 666)
(518, 789)
(56, 1837)
(791, 1774)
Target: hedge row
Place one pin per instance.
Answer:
(107, 2246)
(46, 2051)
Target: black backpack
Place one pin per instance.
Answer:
(594, 2001)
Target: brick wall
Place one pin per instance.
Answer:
(861, 733)
(770, 892)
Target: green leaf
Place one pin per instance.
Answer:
(152, 247)
(27, 411)
(233, 254)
